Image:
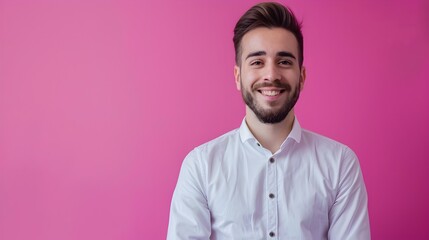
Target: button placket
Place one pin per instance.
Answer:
(271, 196)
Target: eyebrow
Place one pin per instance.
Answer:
(286, 54)
(262, 53)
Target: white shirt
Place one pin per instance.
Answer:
(233, 188)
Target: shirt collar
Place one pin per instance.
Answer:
(246, 134)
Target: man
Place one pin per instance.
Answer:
(270, 179)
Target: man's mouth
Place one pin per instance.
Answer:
(270, 93)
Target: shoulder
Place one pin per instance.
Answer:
(215, 147)
(221, 143)
(318, 141)
(327, 149)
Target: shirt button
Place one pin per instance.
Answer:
(272, 234)
(272, 160)
(271, 195)
(258, 144)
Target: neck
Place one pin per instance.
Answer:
(271, 136)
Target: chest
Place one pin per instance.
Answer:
(256, 194)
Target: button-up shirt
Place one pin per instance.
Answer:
(234, 188)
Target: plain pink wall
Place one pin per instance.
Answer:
(101, 100)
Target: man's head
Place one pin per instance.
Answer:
(268, 71)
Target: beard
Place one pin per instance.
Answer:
(271, 115)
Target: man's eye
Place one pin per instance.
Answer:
(256, 63)
(285, 62)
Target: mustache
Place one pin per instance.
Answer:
(275, 83)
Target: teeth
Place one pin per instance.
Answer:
(270, 93)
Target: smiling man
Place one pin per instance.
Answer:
(270, 179)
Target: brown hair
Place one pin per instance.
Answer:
(270, 15)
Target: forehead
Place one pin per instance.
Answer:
(270, 40)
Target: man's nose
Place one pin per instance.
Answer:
(272, 72)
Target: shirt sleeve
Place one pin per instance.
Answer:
(348, 216)
(189, 212)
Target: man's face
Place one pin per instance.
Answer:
(269, 77)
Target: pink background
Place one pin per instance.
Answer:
(100, 101)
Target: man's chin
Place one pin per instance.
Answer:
(271, 117)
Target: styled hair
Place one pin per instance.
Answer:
(269, 15)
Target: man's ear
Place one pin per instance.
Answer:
(302, 78)
(237, 77)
